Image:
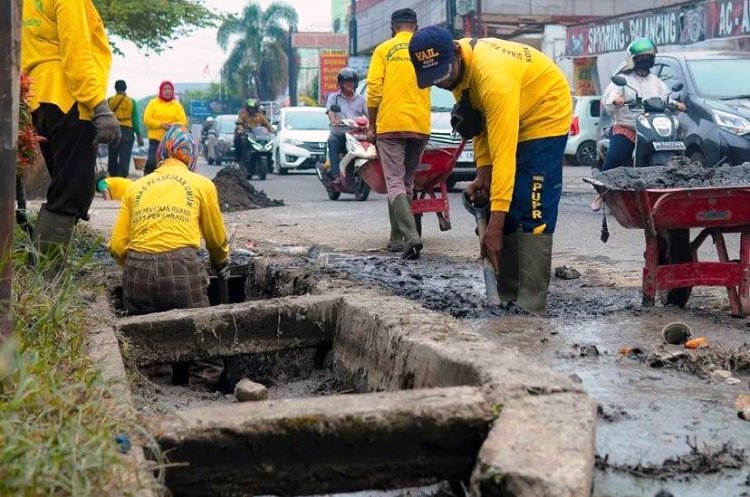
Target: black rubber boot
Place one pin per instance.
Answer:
(534, 270)
(396, 242)
(507, 277)
(408, 227)
(51, 237)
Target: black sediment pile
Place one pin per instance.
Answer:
(236, 193)
(680, 173)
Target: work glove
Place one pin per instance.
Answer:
(222, 270)
(106, 124)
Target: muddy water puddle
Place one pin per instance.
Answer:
(648, 417)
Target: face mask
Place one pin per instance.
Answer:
(644, 64)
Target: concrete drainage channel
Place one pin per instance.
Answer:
(410, 398)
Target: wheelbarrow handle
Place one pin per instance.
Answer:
(223, 290)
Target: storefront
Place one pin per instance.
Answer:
(597, 48)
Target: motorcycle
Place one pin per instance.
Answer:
(358, 152)
(657, 144)
(256, 157)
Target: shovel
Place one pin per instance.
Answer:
(481, 213)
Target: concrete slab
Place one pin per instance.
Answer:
(261, 326)
(540, 446)
(321, 445)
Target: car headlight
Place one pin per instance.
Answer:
(290, 141)
(663, 125)
(732, 122)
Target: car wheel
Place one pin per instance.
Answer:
(697, 156)
(586, 154)
(217, 162)
(210, 162)
(451, 184)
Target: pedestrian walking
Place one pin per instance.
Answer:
(126, 111)
(158, 232)
(65, 52)
(515, 104)
(162, 112)
(400, 125)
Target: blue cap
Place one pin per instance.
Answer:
(432, 53)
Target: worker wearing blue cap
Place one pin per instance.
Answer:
(515, 103)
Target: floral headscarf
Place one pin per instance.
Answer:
(178, 143)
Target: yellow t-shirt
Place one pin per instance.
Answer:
(392, 88)
(118, 186)
(65, 51)
(157, 112)
(169, 209)
(523, 96)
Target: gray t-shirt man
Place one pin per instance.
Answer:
(350, 108)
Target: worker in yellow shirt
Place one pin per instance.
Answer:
(400, 122)
(65, 52)
(113, 187)
(158, 232)
(126, 110)
(515, 103)
(161, 113)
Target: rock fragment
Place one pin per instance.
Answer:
(249, 391)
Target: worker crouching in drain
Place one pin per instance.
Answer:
(158, 231)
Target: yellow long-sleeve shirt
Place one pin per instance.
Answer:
(523, 96)
(65, 51)
(169, 209)
(157, 112)
(392, 88)
(118, 186)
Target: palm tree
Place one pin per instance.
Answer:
(258, 62)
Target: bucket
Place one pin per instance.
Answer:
(139, 163)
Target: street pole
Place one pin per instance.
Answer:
(450, 15)
(353, 28)
(10, 22)
(292, 56)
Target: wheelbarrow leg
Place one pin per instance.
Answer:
(650, 269)
(745, 273)
(721, 249)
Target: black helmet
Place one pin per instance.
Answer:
(347, 74)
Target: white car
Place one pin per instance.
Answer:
(301, 139)
(581, 146)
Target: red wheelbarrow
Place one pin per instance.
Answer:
(717, 210)
(430, 188)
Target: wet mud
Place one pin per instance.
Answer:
(457, 287)
(236, 193)
(680, 173)
(646, 414)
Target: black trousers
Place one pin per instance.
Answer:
(118, 163)
(70, 156)
(153, 146)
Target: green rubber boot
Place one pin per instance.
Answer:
(507, 277)
(51, 237)
(408, 227)
(396, 242)
(534, 270)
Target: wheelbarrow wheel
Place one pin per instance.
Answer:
(677, 251)
(361, 189)
(333, 195)
(443, 222)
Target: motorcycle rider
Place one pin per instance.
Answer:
(639, 59)
(352, 106)
(250, 117)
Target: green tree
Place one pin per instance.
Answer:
(257, 65)
(153, 24)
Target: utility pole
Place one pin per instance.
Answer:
(292, 56)
(450, 16)
(353, 28)
(10, 22)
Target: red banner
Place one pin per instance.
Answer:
(331, 62)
